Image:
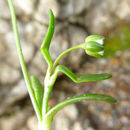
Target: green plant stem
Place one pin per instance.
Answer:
(48, 85)
(21, 58)
(62, 54)
(44, 125)
(47, 92)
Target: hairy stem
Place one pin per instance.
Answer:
(22, 62)
(48, 85)
(46, 97)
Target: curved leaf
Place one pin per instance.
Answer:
(46, 43)
(89, 97)
(38, 90)
(50, 31)
(83, 77)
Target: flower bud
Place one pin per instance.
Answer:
(95, 54)
(97, 38)
(93, 46)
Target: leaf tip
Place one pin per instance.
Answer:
(111, 99)
(107, 76)
(51, 12)
(114, 100)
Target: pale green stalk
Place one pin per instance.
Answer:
(44, 125)
(62, 54)
(21, 58)
(48, 86)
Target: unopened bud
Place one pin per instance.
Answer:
(93, 46)
(97, 38)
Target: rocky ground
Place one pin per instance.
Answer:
(73, 24)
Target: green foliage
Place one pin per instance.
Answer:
(40, 96)
(87, 97)
(82, 78)
(38, 91)
(46, 43)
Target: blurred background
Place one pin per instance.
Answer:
(75, 20)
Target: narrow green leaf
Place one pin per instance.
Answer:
(38, 90)
(66, 71)
(87, 97)
(50, 31)
(46, 43)
(83, 77)
(93, 77)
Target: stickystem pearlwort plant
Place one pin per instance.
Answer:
(39, 93)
